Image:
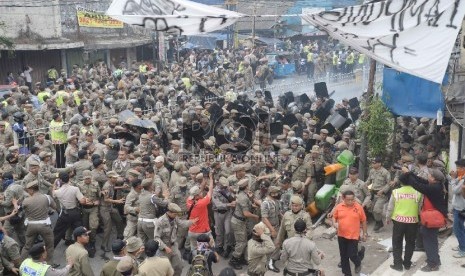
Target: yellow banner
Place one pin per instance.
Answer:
(93, 19)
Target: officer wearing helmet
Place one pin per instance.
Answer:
(300, 254)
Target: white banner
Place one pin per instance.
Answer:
(179, 17)
(412, 36)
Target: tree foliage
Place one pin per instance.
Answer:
(4, 41)
(378, 126)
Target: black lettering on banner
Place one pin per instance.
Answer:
(392, 46)
(409, 51)
(363, 12)
(202, 24)
(434, 15)
(365, 21)
(452, 16)
(350, 15)
(161, 25)
(381, 9)
(418, 12)
(394, 14)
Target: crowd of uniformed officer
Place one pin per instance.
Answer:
(113, 174)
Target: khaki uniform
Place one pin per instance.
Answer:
(163, 173)
(362, 194)
(46, 146)
(6, 138)
(257, 253)
(148, 203)
(166, 233)
(226, 170)
(79, 167)
(36, 212)
(10, 250)
(18, 171)
(100, 177)
(49, 172)
(271, 210)
(379, 179)
(179, 196)
(71, 155)
(172, 157)
(300, 254)
(222, 214)
(120, 167)
(16, 231)
(286, 229)
(239, 223)
(44, 185)
(109, 268)
(110, 215)
(90, 213)
(81, 266)
(315, 167)
(286, 200)
(174, 179)
(130, 210)
(156, 266)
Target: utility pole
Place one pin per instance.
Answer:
(231, 5)
(253, 24)
(363, 161)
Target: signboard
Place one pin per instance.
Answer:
(94, 19)
(415, 37)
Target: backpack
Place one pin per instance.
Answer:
(199, 264)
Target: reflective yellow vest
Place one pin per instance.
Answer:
(361, 58)
(406, 204)
(335, 59)
(56, 132)
(350, 59)
(60, 95)
(30, 268)
(142, 68)
(41, 96)
(310, 57)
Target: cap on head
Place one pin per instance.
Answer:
(460, 163)
(133, 244)
(37, 250)
(174, 208)
(117, 245)
(377, 159)
(79, 231)
(300, 226)
(296, 200)
(125, 265)
(437, 175)
(261, 225)
(194, 191)
(243, 183)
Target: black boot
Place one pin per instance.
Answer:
(227, 252)
(91, 249)
(272, 267)
(235, 263)
(243, 261)
(378, 226)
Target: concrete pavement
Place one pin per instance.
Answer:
(450, 266)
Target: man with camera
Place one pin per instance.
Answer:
(198, 209)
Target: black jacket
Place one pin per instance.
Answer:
(434, 192)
